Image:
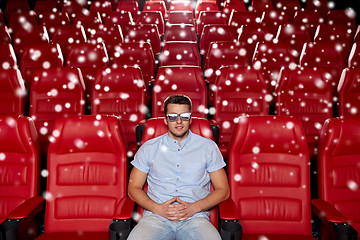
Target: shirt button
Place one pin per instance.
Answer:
(176, 190)
(178, 165)
(174, 141)
(179, 149)
(177, 179)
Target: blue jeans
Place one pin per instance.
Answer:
(154, 228)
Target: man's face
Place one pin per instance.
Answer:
(178, 129)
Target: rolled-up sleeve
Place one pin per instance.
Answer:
(141, 161)
(216, 160)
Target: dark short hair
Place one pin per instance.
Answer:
(177, 99)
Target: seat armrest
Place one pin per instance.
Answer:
(139, 130)
(120, 227)
(22, 223)
(334, 225)
(228, 210)
(215, 130)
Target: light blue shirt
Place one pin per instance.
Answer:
(178, 171)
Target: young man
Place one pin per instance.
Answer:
(179, 167)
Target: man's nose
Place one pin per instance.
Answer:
(178, 120)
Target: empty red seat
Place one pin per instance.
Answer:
(310, 19)
(152, 18)
(145, 33)
(87, 178)
(15, 7)
(271, 20)
(232, 6)
(240, 91)
(338, 165)
(216, 32)
(180, 53)
(73, 8)
(357, 35)
(52, 20)
(260, 6)
(22, 20)
(180, 32)
(342, 17)
(89, 20)
(288, 6)
(320, 6)
(121, 92)
(20, 177)
(45, 6)
(38, 56)
(237, 19)
(56, 93)
(205, 5)
(5, 36)
(156, 6)
(269, 177)
(102, 7)
(294, 34)
(139, 55)
(354, 56)
(12, 92)
(88, 57)
(187, 80)
(67, 36)
(327, 55)
(305, 93)
(349, 93)
(180, 17)
(123, 18)
(207, 17)
(7, 56)
(129, 6)
(180, 5)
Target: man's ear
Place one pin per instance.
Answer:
(165, 121)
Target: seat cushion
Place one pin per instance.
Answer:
(74, 236)
(275, 237)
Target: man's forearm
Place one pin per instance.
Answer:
(141, 198)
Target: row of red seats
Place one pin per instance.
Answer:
(269, 180)
(302, 92)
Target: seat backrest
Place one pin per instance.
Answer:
(260, 6)
(5, 36)
(338, 166)
(123, 18)
(121, 92)
(12, 97)
(130, 6)
(20, 162)
(320, 6)
(22, 20)
(306, 94)
(308, 18)
(56, 93)
(73, 8)
(348, 93)
(52, 20)
(150, 6)
(180, 6)
(180, 53)
(16, 6)
(7, 56)
(354, 56)
(208, 17)
(204, 5)
(152, 18)
(269, 175)
(180, 17)
(187, 80)
(37, 56)
(327, 55)
(237, 19)
(136, 54)
(45, 6)
(180, 32)
(273, 19)
(87, 166)
(344, 17)
(240, 90)
(145, 33)
(102, 7)
(232, 6)
(289, 6)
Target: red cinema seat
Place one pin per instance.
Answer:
(180, 17)
(89, 20)
(216, 32)
(207, 17)
(327, 55)
(273, 19)
(123, 18)
(36, 34)
(260, 6)
(15, 7)
(20, 178)
(22, 20)
(187, 80)
(354, 56)
(121, 92)
(38, 56)
(87, 179)
(294, 34)
(5, 36)
(180, 53)
(271, 57)
(237, 19)
(205, 5)
(310, 19)
(240, 91)
(7, 56)
(338, 167)
(305, 93)
(137, 55)
(150, 6)
(145, 33)
(320, 6)
(180, 5)
(349, 93)
(269, 177)
(180, 32)
(73, 8)
(110, 34)
(45, 6)
(56, 93)
(155, 127)
(357, 35)
(232, 6)
(67, 36)
(52, 20)
(288, 6)
(12, 92)
(342, 17)
(102, 7)
(89, 58)
(152, 18)
(129, 6)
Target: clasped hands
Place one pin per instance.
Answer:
(176, 212)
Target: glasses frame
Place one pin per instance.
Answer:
(181, 115)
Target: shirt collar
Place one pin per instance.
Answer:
(182, 143)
